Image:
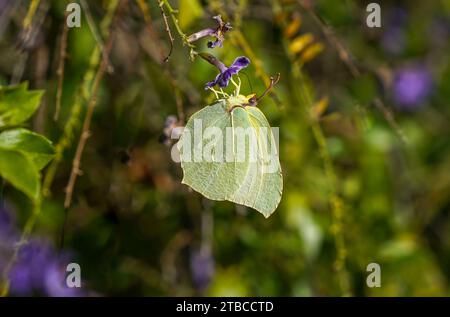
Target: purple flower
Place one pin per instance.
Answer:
(40, 270)
(412, 87)
(20, 279)
(29, 270)
(54, 282)
(202, 268)
(218, 33)
(226, 73)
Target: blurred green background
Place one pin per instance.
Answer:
(359, 186)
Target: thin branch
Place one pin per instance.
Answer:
(32, 23)
(183, 36)
(4, 285)
(273, 82)
(27, 36)
(85, 134)
(61, 64)
(83, 94)
(30, 13)
(73, 122)
(345, 57)
(168, 31)
(178, 95)
(96, 33)
(143, 6)
(172, 13)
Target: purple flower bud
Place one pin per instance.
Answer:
(412, 87)
(202, 268)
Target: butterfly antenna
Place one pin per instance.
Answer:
(273, 82)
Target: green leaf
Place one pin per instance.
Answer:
(216, 157)
(17, 104)
(190, 10)
(35, 146)
(20, 171)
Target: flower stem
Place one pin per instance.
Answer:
(30, 13)
(173, 15)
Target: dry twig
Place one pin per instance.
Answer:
(85, 134)
(61, 63)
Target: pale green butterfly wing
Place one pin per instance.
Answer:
(263, 185)
(220, 165)
(206, 171)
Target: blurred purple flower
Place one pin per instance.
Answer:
(202, 268)
(28, 273)
(226, 73)
(54, 282)
(38, 269)
(20, 279)
(412, 87)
